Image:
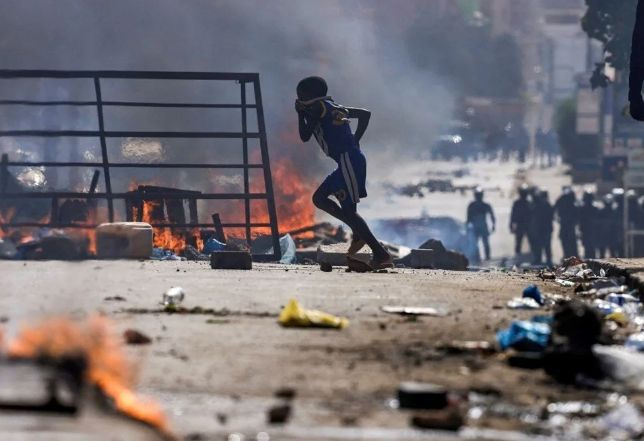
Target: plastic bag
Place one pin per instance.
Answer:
(294, 315)
(524, 336)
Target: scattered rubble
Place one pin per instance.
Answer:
(413, 395)
(415, 310)
(285, 393)
(451, 418)
(279, 414)
(134, 337)
(577, 344)
(231, 260)
(433, 255)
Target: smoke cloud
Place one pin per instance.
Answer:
(358, 45)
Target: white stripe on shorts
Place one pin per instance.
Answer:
(349, 177)
(352, 175)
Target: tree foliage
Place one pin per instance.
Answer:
(610, 22)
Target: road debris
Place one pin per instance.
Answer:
(173, 297)
(450, 418)
(415, 310)
(414, 395)
(294, 315)
(529, 336)
(465, 347)
(533, 292)
(286, 393)
(279, 414)
(231, 260)
(134, 337)
(636, 342)
(523, 303)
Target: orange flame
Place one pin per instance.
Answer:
(6, 218)
(293, 202)
(165, 238)
(107, 367)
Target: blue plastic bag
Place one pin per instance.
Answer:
(212, 245)
(524, 336)
(533, 292)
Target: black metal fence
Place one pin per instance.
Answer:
(103, 134)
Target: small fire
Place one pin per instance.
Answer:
(5, 218)
(165, 238)
(293, 202)
(107, 367)
(293, 193)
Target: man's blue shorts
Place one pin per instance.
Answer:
(348, 182)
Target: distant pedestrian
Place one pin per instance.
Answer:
(541, 226)
(520, 219)
(477, 219)
(588, 225)
(566, 210)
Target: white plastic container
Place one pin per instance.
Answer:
(124, 240)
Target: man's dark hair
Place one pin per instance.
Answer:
(312, 87)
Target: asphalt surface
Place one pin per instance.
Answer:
(216, 372)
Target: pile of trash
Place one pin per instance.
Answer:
(594, 336)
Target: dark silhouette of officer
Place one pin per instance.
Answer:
(520, 218)
(477, 217)
(605, 226)
(541, 228)
(637, 66)
(588, 214)
(617, 223)
(566, 210)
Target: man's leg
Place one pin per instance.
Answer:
(357, 224)
(486, 245)
(518, 238)
(548, 249)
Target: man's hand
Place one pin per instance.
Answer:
(299, 107)
(493, 228)
(637, 109)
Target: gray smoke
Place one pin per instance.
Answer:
(358, 45)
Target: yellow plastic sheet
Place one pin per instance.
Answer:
(294, 315)
(618, 317)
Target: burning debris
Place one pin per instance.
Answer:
(88, 361)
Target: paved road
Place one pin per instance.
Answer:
(216, 374)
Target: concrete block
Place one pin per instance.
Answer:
(124, 240)
(235, 260)
(422, 259)
(336, 254)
